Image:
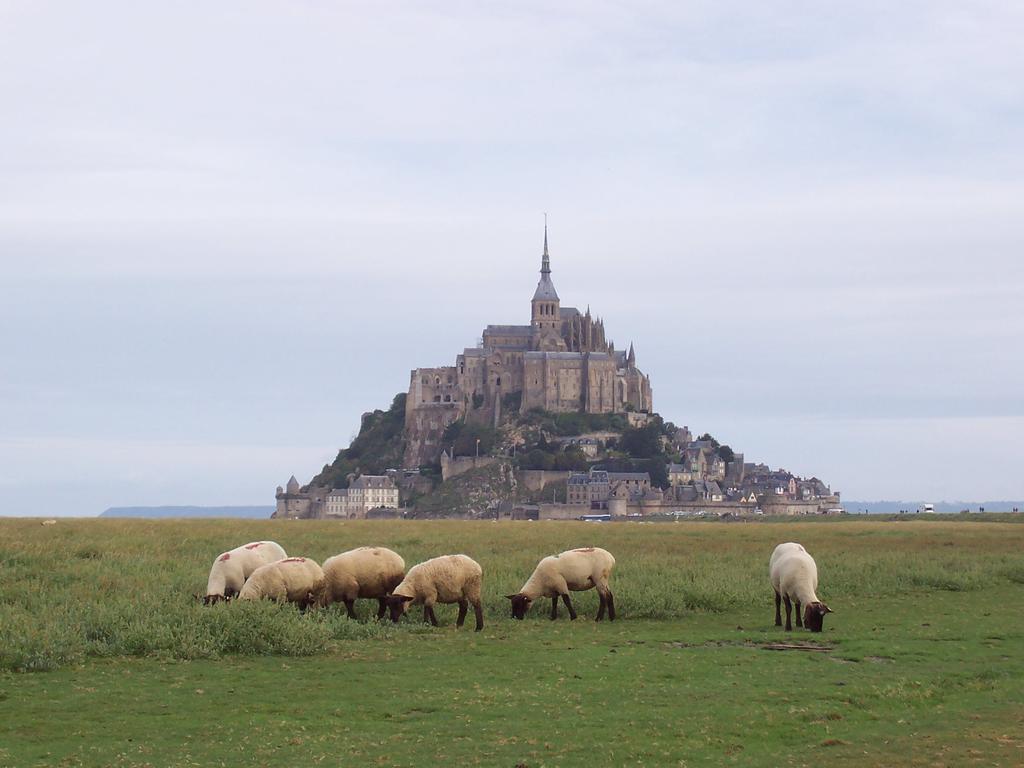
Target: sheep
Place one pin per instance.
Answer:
(576, 570)
(365, 572)
(49, 522)
(232, 568)
(446, 579)
(298, 580)
(794, 578)
(779, 551)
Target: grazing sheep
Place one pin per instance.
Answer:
(794, 578)
(576, 570)
(296, 580)
(779, 551)
(231, 569)
(365, 572)
(446, 579)
(49, 522)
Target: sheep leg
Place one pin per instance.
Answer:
(478, 609)
(463, 607)
(382, 608)
(778, 610)
(611, 606)
(554, 607)
(568, 604)
(428, 614)
(799, 616)
(350, 608)
(789, 609)
(601, 607)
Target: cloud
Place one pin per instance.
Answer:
(244, 224)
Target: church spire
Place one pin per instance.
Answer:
(545, 262)
(545, 288)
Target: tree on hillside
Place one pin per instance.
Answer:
(726, 453)
(708, 438)
(642, 443)
(462, 438)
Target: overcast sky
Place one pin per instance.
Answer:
(227, 229)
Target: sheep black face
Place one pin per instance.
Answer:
(398, 604)
(211, 599)
(814, 616)
(520, 605)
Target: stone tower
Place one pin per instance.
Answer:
(546, 312)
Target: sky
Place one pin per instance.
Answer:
(228, 229)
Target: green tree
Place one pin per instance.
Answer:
(642, 443)
(709, 439)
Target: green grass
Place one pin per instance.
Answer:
(924, 665)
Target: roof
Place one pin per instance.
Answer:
(641, 476)
(373, 481)
(533, 355)
(509, 330)
(545, 290)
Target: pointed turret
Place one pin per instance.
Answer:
(545, 315)
(631, 357)
(545, 288)
(293, 485)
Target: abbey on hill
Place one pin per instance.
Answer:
(540, 421)
(561, 362)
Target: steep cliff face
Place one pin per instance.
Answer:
(424, 427)
(469, 494)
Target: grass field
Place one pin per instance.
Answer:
(107, 659)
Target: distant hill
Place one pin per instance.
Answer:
(890, 507)
(250, 512)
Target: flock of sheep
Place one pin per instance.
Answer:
(262, 570)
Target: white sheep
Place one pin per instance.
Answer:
(232, 568)
(575, 570)
(446, 579)
(295, 580)
(794, 577)
(366, 572)
(779, 551)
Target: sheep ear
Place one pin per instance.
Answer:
(827, 609)
(511, 597)
(405, 598)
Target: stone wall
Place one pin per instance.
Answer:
(424, 427)
(536, 479)
(549, 511)
(460, 464)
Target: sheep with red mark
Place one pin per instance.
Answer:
(575, 570)
(298, 580)
(232, 568)
(794, 577)
(366, 572)
(446, 579)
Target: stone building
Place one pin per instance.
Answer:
(562, 362)
(366, 492)
(594, 489)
